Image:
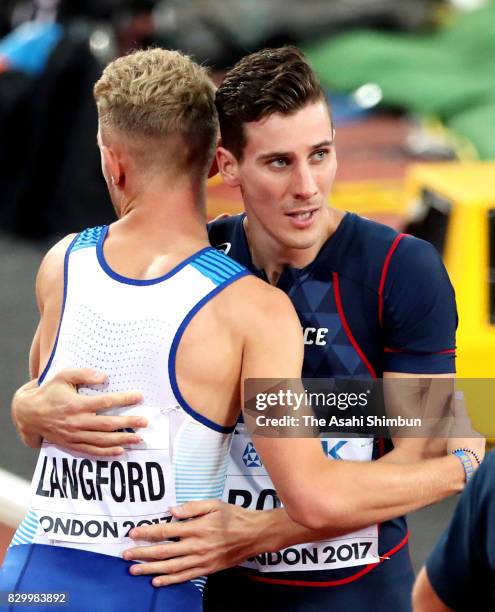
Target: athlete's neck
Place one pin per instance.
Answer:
(271, 256)
(158, 227)
(166, 212)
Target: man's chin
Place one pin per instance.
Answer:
(298, 242)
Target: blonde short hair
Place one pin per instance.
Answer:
(157, 93)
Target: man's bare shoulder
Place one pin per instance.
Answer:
(267, 324)
(254, 304)
(51, 271)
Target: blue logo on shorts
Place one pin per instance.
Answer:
(251, 457)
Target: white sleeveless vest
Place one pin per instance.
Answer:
(129, 329)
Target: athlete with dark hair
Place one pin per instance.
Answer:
(371, 302)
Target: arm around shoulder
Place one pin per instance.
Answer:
(274, 349)
(49, 286)
(316, 492)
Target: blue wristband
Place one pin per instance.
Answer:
(467, 464)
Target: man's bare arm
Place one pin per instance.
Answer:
(321, 493)
(424, 597)
(55, 411)
(223, 535)
(30, 437)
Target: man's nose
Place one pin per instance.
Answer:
(303, 183)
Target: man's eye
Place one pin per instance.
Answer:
(280, 162)
(320, 155)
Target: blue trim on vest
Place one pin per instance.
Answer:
(66, 279)
(173, 354)
(211, 274)
(216, 266)
(88, 237)
(135, 281)
(223, 260)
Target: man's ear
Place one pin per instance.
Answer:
(213, 171)
(228, 167)
(112, 166)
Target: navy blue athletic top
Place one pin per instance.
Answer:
(461, 567)
(372, 301)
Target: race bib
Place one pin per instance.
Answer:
(248, 485)
(80, 498)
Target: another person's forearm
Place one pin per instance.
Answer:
(406, 454)
(275, 529)
(424, 596)
(22, 405)
(56, 412)
(365, 494)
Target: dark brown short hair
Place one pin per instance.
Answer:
(268, 81)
